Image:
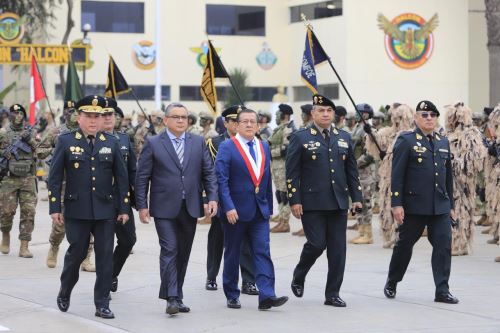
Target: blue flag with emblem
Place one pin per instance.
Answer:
(313, 55)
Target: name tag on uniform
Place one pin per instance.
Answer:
(343, 144)
(443, 150)
(105, 150)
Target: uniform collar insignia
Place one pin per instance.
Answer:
(313, 131)
(78, 136)
(437, 137)
(102, 137)
(419, 137)
(334, 130)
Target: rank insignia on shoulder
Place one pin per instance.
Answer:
(78, 136)
(102, 137)
(419, 137)
(313, 131)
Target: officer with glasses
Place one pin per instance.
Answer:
(422, 196)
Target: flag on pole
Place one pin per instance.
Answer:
(313, 55)
(213, 69)
(73, 89)
(116, 84)
(36, 90)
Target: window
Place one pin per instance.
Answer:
(111, 16)
(143, 92)
(303, 94)
(262, 94)
(316, 10)
(236, 20)
(192, 93)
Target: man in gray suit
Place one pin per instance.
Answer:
(179, 168)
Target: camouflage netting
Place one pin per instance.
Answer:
(492, 174)
(467, 147)
(402, 117)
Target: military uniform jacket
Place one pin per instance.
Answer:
(321, 175)
(213, 143)
(90, 176)
(127, 152)
(421, 178)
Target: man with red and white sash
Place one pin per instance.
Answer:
(245, 189)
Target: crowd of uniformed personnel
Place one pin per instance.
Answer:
(384, 144)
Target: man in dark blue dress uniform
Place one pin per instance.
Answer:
(321, 174)
(422, 195)
(125, 233)
(91, 163)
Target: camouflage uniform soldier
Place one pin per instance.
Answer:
(478, 120)
(157, 118)
(350, 122)
(377, 123)
(58, 231)
(265, 131)
(468, 151)
(18, 149)
(192, 127)
(279, 143)
(142, 130)
(366, 167)
(206, 121)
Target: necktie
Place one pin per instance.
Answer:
(179, 149)
(252, 151)
(326, 134)
(91, 141)
(431, 141)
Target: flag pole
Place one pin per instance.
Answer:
(43, 87)
(309, 26)
(151, 126)
(229, 77)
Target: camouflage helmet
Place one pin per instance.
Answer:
(206, 116)
(265, 114)
(192, 116)
(378, 115)
(477, 116)
(350, 115)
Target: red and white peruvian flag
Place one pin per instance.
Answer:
(36, 90)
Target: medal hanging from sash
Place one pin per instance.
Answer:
(256, 181)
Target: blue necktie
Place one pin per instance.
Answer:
(252, 151)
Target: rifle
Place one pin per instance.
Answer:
(12, 150)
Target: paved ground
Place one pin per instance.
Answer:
(28, 290)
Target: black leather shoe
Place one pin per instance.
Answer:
(172, 306)
(114, 285)
(297, 288)
(183, 308)
(104, 313)
(249, 288)
(234, 303)
(211, 285)
(390, 289)
(63, 303)
(272, 302)
(335, 301)
(446, 298)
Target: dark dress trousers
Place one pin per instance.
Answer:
(422, 184)
(321, 174)
(89, 204)
(175, 200)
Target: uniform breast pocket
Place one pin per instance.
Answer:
(106, 160)
(445, 158)
(76, 162)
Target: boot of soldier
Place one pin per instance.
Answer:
(376, 209)
(353, 227)
(24, 252)
(299, 232)
(275, 218)
(361, 233)
(5, 247)
(281, 227)
(494, 240)
(87, 265)
(350, 216)
(486, 231)
(52, 256)
(481, 220)
(367, 237)
(487, 222)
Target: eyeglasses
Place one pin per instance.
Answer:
(177, 118)
(426, 115)
(248, 122)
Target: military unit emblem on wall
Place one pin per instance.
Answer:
(408, 40)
